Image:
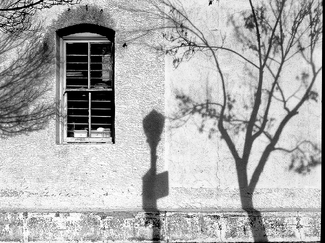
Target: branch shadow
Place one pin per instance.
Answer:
(24, 83)
(154, 185)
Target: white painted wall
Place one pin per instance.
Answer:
(38, 174)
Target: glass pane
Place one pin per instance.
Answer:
(77, 58)
(77, 65)
(101, 113)
(101, 83)
(77, 83)
(78, 114)
(101, 65)
(100, 48)
(80, 49)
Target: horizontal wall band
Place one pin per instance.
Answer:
(136, 210)
(130, 226)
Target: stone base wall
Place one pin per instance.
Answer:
(205, 226)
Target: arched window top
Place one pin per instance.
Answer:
(84, 36)
(86, 30)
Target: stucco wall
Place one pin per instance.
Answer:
(36, 172)
(39, 175)
(202, 167)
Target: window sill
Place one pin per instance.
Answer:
(74, 140)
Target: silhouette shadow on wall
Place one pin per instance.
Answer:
(154, 186)
(25, 105)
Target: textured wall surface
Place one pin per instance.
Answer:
(38, 173)
(95, 193)
(202, 163)
(164, 227)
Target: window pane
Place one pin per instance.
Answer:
(79, 49)
(100, 48)
(77, 83)
(101, 110)
(77, 58)
(77, 65)
(101, 65)
(78, 112)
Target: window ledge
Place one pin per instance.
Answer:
(75, 140)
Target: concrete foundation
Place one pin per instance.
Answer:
(209, 226)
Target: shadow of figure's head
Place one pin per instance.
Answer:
(153, 125)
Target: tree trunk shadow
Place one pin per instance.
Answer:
(255, 219)
(257, 225)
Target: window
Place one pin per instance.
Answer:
(87, 88)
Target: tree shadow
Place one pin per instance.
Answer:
(24, 104)
(154, 185)
(255, 218)
(17, 16)
(246, 112)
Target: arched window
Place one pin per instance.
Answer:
(87, 84)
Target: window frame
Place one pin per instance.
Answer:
(63, 99)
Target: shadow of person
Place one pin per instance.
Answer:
(154, 186)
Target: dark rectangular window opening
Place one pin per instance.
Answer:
(89, 91)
